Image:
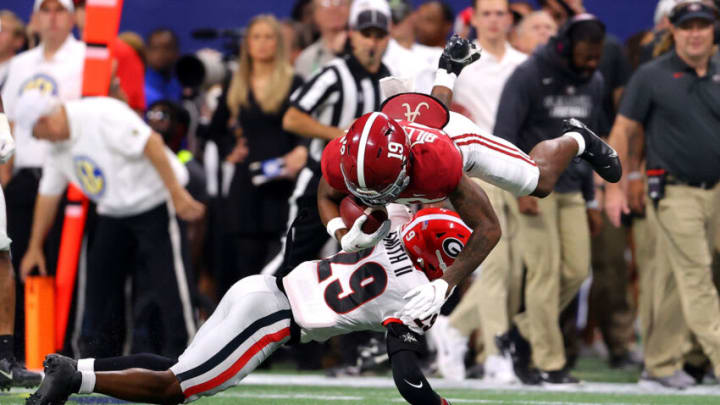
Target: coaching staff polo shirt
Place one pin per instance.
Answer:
(681, 116)
(104, 156)
(60, 76)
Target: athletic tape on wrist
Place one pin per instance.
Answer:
(88, 382)
(445, 79)
(333, 225)
(4, 126)
(86, 364)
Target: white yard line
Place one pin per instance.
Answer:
(387, 382)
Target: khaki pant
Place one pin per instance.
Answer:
(609, 304)
(496, 291)
(684, 244)
(556, 251)
(662, 325)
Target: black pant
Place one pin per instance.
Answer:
(244, 255)
(147, 247)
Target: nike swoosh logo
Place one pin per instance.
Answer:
(9, 375)
(418, 386)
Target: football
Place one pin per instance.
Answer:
(351, 209)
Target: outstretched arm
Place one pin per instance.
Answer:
(403, 346)
(458, 53)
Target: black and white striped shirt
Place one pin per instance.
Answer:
(338, 94)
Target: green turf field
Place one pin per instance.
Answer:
(277, 387)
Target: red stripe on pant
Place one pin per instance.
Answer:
(510, 148)
(239, 364)
(487, 145)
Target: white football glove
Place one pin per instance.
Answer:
(356, 240)
(7, 143)
(425, 300)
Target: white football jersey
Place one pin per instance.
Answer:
(351, 292)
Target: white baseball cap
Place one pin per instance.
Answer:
(32, 105)
(370, 14)
(68, 4)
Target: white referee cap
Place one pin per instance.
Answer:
(32, 105)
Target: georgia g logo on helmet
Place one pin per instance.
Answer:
(452, 247)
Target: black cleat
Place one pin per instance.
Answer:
(599, 154)
(56, 387)
(14, 374)
(513, 345)
(558, 377)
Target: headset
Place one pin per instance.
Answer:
(562, 42)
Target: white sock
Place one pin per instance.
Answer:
(86, 364)
(580, 141)
(88, 382)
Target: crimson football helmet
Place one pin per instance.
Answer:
(433, 239)
(375, 159)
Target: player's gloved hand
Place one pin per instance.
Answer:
(425, 300)
(356, 240)
(458, 53)
(7, 143)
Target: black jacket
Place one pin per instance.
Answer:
(538, 96)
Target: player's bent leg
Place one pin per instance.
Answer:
(492, 159)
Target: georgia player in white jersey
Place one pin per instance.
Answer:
(343, 293)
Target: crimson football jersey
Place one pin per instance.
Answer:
(435, 171)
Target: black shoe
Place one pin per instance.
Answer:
(623, 362)
(15, 374)
(371, 355)
(513, 345)
(57, 386)
(558, 377)
(599, 154)
(696, 372)
(476, 371)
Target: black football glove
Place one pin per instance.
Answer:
(458, 53)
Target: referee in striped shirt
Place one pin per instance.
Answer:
(346, 88)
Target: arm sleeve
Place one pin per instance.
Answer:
(403, 347)
(53, 181)
(297, 140)
(124, 131)
(637, 97)
(514, 104)
(315, 92)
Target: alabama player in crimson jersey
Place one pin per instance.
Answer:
(415, 150)
(319, 299)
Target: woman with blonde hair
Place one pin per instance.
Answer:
(266, 158)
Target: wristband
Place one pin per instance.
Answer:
(4, 125)
(636, 175)
(333, 225)
(593, 205)
(445, 79)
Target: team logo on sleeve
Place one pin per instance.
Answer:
(452, 247)
(42, 82)
(90, 176)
